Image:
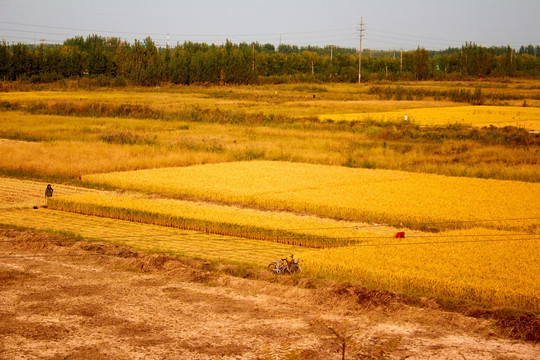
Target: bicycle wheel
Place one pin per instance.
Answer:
(285, 270)
(273, 267)
(295, 269)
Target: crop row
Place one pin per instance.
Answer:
(151, 238)
(279, 227)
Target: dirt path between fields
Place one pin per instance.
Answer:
(129, 306)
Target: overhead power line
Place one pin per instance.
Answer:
(183, 253)
(426, 223)
(135, 238)
(179, 34)
(50, 255)
(33, 32)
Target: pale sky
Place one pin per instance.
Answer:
(388, 24)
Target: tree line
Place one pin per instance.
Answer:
(113, 61)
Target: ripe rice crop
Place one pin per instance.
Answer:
(280, 227)
(268, 100)
(490, 267)
(526, 117)
(486, 266)
(15, 193)
(152, 238)
(414, 200)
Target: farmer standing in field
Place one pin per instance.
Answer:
(48, 191)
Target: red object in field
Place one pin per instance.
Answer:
(400, 234)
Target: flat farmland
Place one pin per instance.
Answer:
(481, 265)
(59, 306)
(289, 100)
(26, 193)
(153, 239)
(64, 133)
(234, 177)
(382, 196)
(295, 100)
(525, 117)
(495, 268)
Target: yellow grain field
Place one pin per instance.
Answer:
(525, 117)
(278, 226)
(71, 159)
(287, 100)
(485, 266)
(15, 193)
(152, 238)
(374, 196)
(490, 267)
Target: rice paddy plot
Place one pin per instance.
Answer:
(485, 266)
(526, 117)
(479, 265)
(278, 226)
(151, 238)
(16, 193)
(399, 198)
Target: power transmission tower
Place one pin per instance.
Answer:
(361, 29)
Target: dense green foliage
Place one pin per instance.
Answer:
(115, 62)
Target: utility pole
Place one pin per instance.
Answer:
(401, 61)
(361, 29)
(253, 57)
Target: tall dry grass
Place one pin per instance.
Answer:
(176, 126)
(63, 159)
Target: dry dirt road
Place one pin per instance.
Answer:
(112, 303)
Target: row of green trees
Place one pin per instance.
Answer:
(142, 62)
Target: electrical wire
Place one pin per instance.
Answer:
(50, 255)
(183, 253)
(426, 223)
(277, 34)
(445, 242)
(159, 238)
(223, 237)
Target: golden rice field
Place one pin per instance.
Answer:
(525, 117)
(485, 266)
(482, 244)
(17, 193)
(498, 268)
(277, 99)
(374, 196)
(279, 226)
(151, 238)
(283, 227)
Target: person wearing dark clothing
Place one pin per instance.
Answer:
(49, 191)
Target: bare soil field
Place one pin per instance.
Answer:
(86, 300)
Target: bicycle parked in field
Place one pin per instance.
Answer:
(285, 266)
